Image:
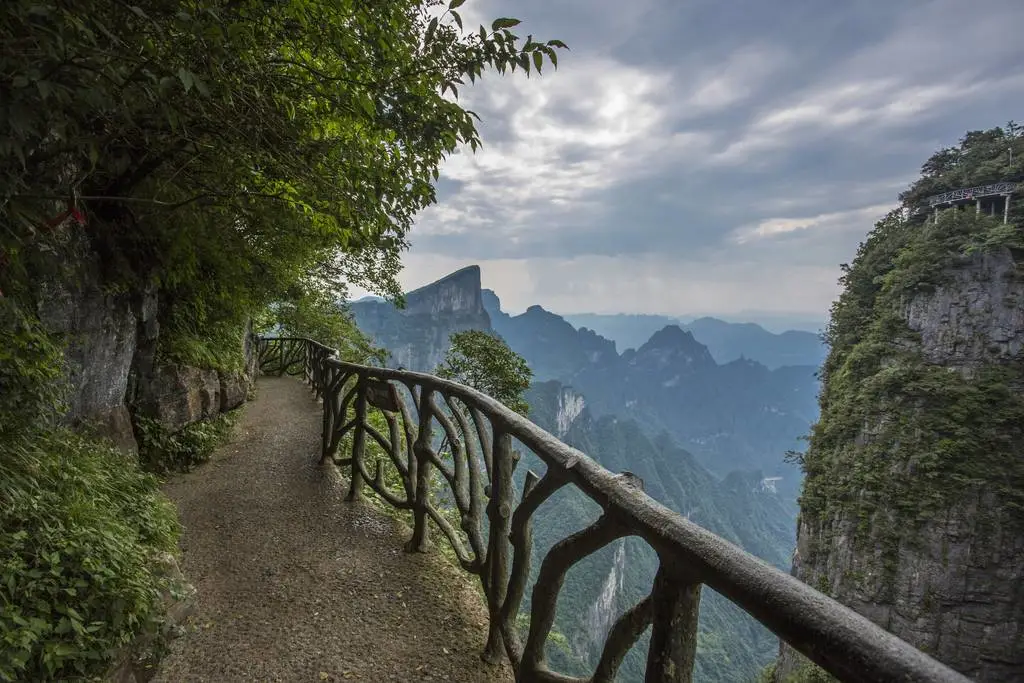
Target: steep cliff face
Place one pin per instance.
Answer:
(100, 330)
(110, 356)
(417, 336)
(912, 508)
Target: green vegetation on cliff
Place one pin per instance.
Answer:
(903, 434)
(223, 151)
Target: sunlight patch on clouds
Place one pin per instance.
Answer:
(773, 227)
(521, 180)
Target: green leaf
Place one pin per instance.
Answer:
(367, 105)
(558, 43)
(185, 77)
(456, 3)
(504, 22)
(538, 60)
(431, 27)
(458, 19)
(45, 89)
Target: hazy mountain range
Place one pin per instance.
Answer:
(727, 341)
(739, 414)
(706, 434)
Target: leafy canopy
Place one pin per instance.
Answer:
(483, 361)
(221, 148)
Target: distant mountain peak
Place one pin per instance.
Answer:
(673, 345)
(468, 277)
(417, 336)
(456, 292)
(672, 336)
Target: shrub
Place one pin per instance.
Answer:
(80, 525)
(180, 451)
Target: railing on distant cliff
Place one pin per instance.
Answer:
(480, 431)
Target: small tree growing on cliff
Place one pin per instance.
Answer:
(484, 361)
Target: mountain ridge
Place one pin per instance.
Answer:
(726, 340)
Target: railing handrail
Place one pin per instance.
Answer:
(834, 636)
(976, 192)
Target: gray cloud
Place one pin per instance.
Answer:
(709, 156)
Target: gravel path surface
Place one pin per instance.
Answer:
(294, 584)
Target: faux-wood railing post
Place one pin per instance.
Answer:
(499, 516)
(421, 449)
(674, 628)
(330, 403)
(355, 491)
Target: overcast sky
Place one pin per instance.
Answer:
(709, 156)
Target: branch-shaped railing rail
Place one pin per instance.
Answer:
(479, 432)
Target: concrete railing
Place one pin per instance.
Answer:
(489, 527)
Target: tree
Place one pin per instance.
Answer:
(219, 148)
(981, 157)
(483, 361)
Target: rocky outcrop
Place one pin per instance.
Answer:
(944, 572)
(100, 331)
(110, 356)
(417, 336)
(974, 317)
(234, 387)
(178, 395)
(456, 294)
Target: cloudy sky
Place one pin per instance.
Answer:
(709, 156)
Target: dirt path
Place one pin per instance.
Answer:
(294, 584)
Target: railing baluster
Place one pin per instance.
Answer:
(562, 556)
(674, 632)
(355, 491)
(535, 492)
(622, 636)
(330, 400)
(422, 449)
(499, 515)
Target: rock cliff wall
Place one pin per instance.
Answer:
(938, 563)
(417, 336)
(111, 340)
